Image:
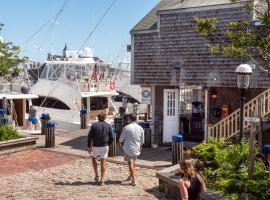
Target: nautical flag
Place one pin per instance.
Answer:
(101, 76)
(94, 73)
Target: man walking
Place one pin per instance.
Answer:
(99, 138)
(132, 139)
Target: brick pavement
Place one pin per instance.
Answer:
(73, 181)
(31, 160)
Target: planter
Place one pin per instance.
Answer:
(17, 145)
(168, 184)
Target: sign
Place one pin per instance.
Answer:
(146, 96)
(252, 119)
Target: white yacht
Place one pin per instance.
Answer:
(71, 82)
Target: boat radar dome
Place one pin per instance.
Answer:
(86, 53)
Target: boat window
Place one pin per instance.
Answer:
(44, 72)
(50, 102)
(55, 72)
(99, 103)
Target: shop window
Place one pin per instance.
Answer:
(185, 98)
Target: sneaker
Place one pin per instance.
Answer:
(129, 178)
(96, 179)
(132, 183)
(101, 183)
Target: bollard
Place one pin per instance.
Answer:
(147, 134)
(83, 116)
(266, 152)
(113, 146)
(177, 149)
(45, 117)
(50, 134)
(3, 117)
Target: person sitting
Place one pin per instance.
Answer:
(191, 184)
(32, 119)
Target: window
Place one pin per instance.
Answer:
(171, 104)
(50, 102)
(99, 103)
(185, 98)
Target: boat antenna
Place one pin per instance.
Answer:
(53, 19)
(98, 23)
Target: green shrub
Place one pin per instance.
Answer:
(226, 170)
(8, 133)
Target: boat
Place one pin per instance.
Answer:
(71, 82)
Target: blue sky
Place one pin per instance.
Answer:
(24, 17)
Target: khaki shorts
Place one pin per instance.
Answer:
(129, 158)
(101, 152)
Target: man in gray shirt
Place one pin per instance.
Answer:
(132, 139)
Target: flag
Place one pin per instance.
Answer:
(94, 73)
(101, 76)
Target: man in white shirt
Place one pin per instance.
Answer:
(132, 139)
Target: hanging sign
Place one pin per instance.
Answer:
(252, 119)
(146, 95)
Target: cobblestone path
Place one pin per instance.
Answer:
(73, 181)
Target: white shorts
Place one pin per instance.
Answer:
(101, 152)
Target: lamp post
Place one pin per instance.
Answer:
(243, 72)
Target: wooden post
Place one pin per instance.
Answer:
(5, 103)
(206, 111)
(259, 125)
(252, 148)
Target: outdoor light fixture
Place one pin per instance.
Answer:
(213, 93)
(243, 72)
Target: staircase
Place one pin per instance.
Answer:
(229, 126)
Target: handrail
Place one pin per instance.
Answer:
(229, 126)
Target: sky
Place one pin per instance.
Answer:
(22, 18)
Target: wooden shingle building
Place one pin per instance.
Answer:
(186, 80)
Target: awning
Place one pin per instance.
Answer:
(99, 94)
(19, 96)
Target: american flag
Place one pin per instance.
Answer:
(94, 73)
(101, 76)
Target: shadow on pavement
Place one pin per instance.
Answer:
(76, 143)
(80, 183)
(155, 191)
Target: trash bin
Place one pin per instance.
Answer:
(83, 115)
(3, 117)
(147, 134)
(177, 149)
(50, 135)
(113, 146)
(45, 117)
(266, 152)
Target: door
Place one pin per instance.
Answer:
(170, 114)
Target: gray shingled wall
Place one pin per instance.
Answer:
(157, 55)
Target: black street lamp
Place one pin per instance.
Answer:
(243, 72)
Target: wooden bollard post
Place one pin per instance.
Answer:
(147, 134)
(83, 116)
(177, 149)
(45, 117)
(50, 135)
(112, 147)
